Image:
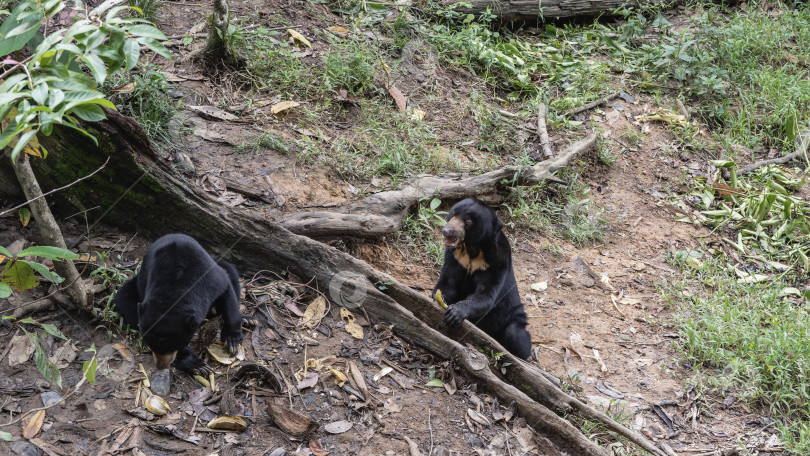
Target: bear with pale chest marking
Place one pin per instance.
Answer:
(477, 281)
(177, 287)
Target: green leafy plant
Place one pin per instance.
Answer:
(48, 87)
(19, 271)
(145, 97)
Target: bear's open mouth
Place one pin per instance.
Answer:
(451, 241)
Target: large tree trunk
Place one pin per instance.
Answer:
(139, 190)
(542, 11)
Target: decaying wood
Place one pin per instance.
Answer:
(382, 213)
(155, 199)
(548, 10)
(542, 131)
(51, 235)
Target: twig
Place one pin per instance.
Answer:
(772, 161)
(592, 104)
(62, 399)
(542, 131)
(615, 306)
(430, 428)
(56, 189)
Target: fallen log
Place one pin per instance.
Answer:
(383, 213)
(139, 190)
(537, 12)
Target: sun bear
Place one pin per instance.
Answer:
(177, 287)
(477, 281)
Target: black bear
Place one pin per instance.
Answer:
(167, 301)
(477, 281)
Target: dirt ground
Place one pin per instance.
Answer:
(611, 343)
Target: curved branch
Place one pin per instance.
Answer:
(382, 213)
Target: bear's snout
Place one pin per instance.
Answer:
(453, 232)
(164, 360)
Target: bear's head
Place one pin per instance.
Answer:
(472, 223)
(165, 331)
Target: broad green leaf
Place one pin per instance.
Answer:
(48, 369)
(89, 370)
(131, 53)
(40, 93)
(43, 270)
(49, 252)
(52, 330)
(89, 113)
(156, 47)
(435, 383)
(5, 291)
(19, 275)
(4, 251)
(56, 97)
(146, 31)
(25, 216)
(96, 66)
(14, 33)
(22, 141)
(434, 203)
(6, 98)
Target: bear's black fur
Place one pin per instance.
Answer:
(477, 280)
(167, 301)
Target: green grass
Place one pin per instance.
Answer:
(384, 145)
(746, 339)
(746, 69)
(568, 211)
(262, 142)
(147, 100)
(421, 231)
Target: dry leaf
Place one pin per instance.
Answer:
(338, 427)
(222, 355)
(296, 36)
(599, 359)
(539, 286)
(314, 313)
(665, 115)
(278, 108)
(351, 325)
(417, 115)
(339, 29)
(126, 87)
(316, 448)
(228, 423)
(293, 308)
(21, 350)
(122, 349)
(157, 405)
(340, 377)
(308, 382)
(478, 418)
(213, 113)
(32, 428)
(291, 421)
(399, 98)
(383, 372)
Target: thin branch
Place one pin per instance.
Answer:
(56, 189)
(542, 131)
(592, 104)
(18, 64)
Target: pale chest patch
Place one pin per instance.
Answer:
(470, 264)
